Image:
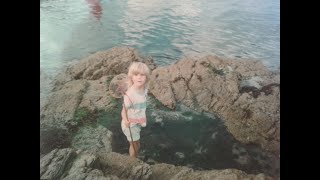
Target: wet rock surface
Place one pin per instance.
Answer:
(203, 114)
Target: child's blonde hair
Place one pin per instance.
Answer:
(138, 68)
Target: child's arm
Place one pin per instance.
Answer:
(124, 114)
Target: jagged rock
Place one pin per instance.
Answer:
(243, 92)
(85, 85)
(93, 139)
(84, 167)
(110, 62)
(251, 120)
(125, 167)
(53, 164)
(97, 95)
(62, 104)
(167, 171)
(53, 138)
(66, 164)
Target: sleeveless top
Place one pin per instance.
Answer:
(136, 105)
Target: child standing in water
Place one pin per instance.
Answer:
(134, 107)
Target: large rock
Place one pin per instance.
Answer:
(74, 96)
(166, 171)
(53, 138)
(53, 165)
(85, 85)
(79, 95)
(110, 62)
(85, 167)
(196, 83)
(67, 108)
(256, 120)
(93, 139)
(97, 95)
(62, 104)
(243, 92)
(67, 164)
(125, 167)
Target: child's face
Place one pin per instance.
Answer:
(139, 79)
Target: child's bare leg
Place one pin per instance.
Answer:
(131, 150)
(137, 146)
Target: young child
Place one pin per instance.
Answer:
(134, 107)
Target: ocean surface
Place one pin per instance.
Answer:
(167, 30)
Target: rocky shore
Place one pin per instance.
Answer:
(74, 145)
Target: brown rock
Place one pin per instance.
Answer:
(212, 84)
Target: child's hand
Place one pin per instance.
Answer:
(127, 123)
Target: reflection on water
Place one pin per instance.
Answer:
(72, 29)
(166, 30)
(96, 8)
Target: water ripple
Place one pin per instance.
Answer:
(166, 30)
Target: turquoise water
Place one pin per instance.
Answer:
(167, 30)
(188, 138)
